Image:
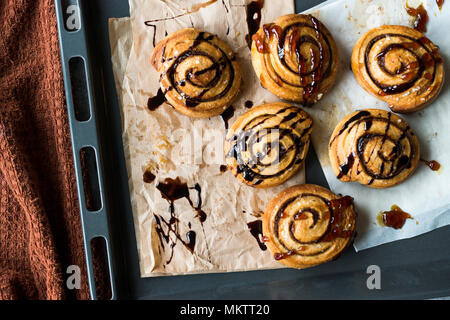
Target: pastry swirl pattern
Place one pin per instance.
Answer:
(399, 65)
(295, 58)
(375, 148)
(308, 225)
(199, 73)
(268, 145)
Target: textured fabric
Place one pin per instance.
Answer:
(40, 229)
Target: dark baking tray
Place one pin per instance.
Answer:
(416, 268)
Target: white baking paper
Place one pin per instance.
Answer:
(426, 194)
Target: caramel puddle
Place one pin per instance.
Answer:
(395, 218)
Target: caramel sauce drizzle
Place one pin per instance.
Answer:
(337, 207)
(309, 80)
(421, 16)
(280, 256)
(395, 218)
(411, 72)
(260, 44)
(433, 164)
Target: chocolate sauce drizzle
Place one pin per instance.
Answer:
(287, 140)
(227, 115)
(309, 77)
(345, 168)
(193, 9)
(154, 31)
(409, 74)
(334, 216)
(248, 104)
(253, 19)
(169, 230)
(148, 176)
(156, 101)
(255, 228)
(394, 163)
(217, 69)
(191, 237)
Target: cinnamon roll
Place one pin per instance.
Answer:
(295, 58)
(267, 145)
(199, 73)
(375, 148)
(307, 225)
(400, 66)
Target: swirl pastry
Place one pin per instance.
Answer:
(268, 144)
(295, 58)
(375, 148)
(400, 66)
(307, 225)
(199, 73)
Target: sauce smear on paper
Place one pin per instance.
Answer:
(255, 228)
(249, 104)
(421, 16)
(440, 3)
(395, 218)
(169, 230)
(227, 115)
(433, 164)
(156, 101)
(149, 177)
(253, 19)
(191, 239)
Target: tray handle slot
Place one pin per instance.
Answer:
(85, 140)
(91, 185)
(80, 97)
(100, 252)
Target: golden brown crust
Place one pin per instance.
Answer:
(398, 65)
(375, 148)
(199, 73)
(295, 58)
(267, 145)
(307, 225)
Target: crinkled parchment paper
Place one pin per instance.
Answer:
(171, 145)
(425, 195)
